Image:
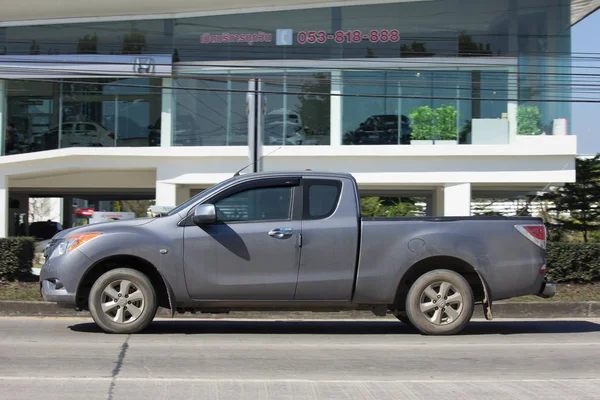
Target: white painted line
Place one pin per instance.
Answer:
(391, 320)
(304, 381)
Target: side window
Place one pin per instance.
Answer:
(259, 204)
(321, 198)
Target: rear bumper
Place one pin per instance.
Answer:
(547, 290)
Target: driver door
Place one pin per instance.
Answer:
(252, 252)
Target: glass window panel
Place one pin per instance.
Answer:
(92, 113)
(322, 199)
(200, 112)
(370, 117)
(262, 204)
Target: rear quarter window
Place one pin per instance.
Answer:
(321, 198)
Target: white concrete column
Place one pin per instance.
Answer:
(166, 114)
(335, 123)
(4, 217)
(3, 101)
(170, 195)
(437, 202)
(429, 206)
(457, 200)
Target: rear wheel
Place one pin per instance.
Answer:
(123, 300)
(440, 302)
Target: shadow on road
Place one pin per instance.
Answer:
(194, 327)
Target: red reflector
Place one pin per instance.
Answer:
(537, 231)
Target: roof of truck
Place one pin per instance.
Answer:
(271, 174)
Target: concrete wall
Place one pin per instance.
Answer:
(13, 10)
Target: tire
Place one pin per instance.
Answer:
(440, 321)
(111, 286)
(402, 317)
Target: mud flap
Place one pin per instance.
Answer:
(487, 301)
(170, 295)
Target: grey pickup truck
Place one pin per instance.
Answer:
(294, 241)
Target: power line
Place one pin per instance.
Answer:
(329, 94)
(385, 65)
(442, 82)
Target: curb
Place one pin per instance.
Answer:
(530, 310)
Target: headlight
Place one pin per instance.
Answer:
(72, 242)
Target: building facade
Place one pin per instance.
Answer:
(447, 100)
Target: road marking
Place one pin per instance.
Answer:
(358, 345)
(336, 381)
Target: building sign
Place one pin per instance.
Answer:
(85, 65)
(350, 36)
(248, 38)
(285, 37)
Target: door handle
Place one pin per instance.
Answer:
(280, 233)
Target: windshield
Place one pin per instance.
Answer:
(194, 199)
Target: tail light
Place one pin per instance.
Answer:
(535, 233)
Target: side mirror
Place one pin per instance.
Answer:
(205, 214)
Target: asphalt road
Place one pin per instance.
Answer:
(192, 359)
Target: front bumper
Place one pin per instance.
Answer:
(60, 277)
(547, 290)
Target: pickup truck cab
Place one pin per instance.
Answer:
(294, 241)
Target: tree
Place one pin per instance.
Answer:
(575, 206)
(88, 44)
(528, 120)
(43, 209)
(314, 104)
(468, 48)
(34, 49)
(416, 49)
(134, 42)
(423, 120)
(139, 207)
(389, 207)
(445, 122)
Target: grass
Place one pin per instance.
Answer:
(29, 291)
(24, 291)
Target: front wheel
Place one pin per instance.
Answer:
(440, 302)
(123, 300)
(402, 317)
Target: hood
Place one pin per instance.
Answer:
(103, 227)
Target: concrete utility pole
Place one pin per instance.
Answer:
(256, 104)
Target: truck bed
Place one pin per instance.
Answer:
(506, 259)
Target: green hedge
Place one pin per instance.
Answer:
(573, 262)
(16, 257)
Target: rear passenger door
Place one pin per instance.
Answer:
(330, 228)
